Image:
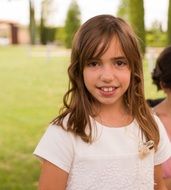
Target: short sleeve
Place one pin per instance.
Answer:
(56, 146)
(164, 148)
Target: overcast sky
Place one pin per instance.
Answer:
(17, 10)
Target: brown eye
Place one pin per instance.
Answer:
(121, 63)
(93, 63)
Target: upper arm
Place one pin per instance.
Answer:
(52, 177)
(164, 147)
(158, 178)
(57, 147)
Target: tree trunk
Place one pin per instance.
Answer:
(169, 24)
(136, 15)
(32, 24)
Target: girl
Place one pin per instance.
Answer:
(105, 137)
(162, 79)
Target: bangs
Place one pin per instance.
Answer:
(96, 49)
(101, 47)
(93, 46)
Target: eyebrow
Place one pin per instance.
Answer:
(120, 57)
(112, 58)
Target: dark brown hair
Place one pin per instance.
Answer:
(162, 71)
(78, 101)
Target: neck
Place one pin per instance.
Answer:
(164, 108)
(167, 102)
(116, 108)
(116, 115)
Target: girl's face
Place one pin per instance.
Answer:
(108, 78)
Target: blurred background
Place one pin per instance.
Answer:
(35, 42)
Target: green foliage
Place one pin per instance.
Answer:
(47, 34)
(72, 23)
(136, 17)
(51, 33)
(60, 36)
(123, 10)
(169, 24)
(155, 37)
(42, 31)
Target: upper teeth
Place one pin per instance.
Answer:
(110, 89)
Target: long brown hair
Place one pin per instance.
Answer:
(78, 101)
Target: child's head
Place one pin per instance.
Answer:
(162, 72)
(91, 41)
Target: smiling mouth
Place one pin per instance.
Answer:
(108, 89)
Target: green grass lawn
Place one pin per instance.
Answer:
(31, 94)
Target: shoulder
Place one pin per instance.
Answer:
(164, 147)
(161, 128)
(56, 146)
(159, 122)
(55, 133)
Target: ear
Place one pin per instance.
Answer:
(164, 88)
(162, 84)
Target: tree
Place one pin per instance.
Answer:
(47, 32)
(72, 22)
(123, 10)
(136, 17)
(155, 36)
(169, 24)
(32, 24)
(42, 24)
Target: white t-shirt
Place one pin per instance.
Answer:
(111, 162)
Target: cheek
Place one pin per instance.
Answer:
(88, 76)
(126, 77)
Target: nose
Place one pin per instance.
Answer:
(107, 73)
